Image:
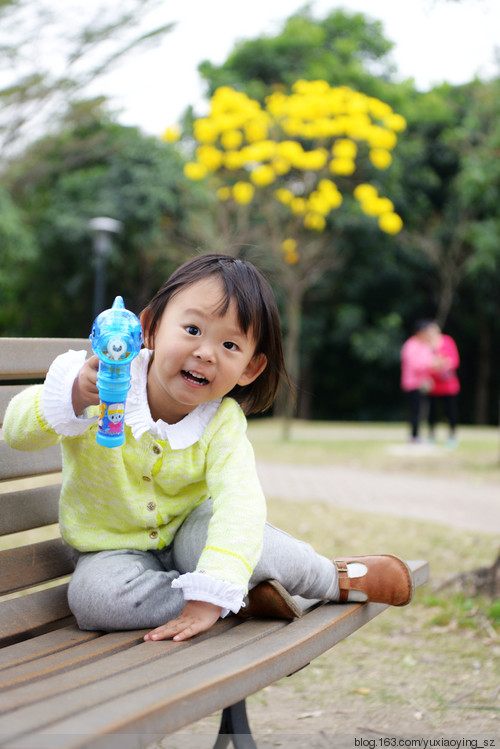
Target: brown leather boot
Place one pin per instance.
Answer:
(387, 580)
(270, 600)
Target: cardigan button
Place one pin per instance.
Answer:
(153, 534)
(146, 478)
(157, 449)
(151, 506)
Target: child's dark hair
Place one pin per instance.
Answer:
(256, 309)
(420, 325)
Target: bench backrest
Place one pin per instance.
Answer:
(34, 562)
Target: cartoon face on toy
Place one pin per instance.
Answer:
(117, 348)
(115, 413)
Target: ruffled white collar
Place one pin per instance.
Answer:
(138, 417)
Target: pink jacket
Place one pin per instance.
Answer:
(444, 379)
(416, 363)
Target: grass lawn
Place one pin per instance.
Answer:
(427, 670)
(379, 447)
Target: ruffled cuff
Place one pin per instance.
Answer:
(57, 395)
(198, 586)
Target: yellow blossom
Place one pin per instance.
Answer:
(172, 134)
(395, 122)
(264, 150)
(205, 131)
(314, 221)
(256, 130)
(289, 245)
(316, 128)
(318, 203)
(210, 157)
(233, 160)
(380, 158)
(379, 137)
(223, 193)
(195, 171)
(284, 196)
(372, 206)
(313, 160)
(291, 258)
(263, 175)
(365, 191)
(290, 150)
(390, 223)
(280, 165)
(330, 193)
(231, 139)
(342, 166)
(243, 192)
(298, 206)
(345, 148)
(379, 109)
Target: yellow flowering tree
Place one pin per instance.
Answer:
(281, 170)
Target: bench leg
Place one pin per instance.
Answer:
(234, 727)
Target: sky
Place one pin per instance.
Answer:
(435, 41)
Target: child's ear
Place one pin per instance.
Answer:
(254, 368)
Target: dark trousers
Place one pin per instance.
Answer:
(415, 402)
(449, 404)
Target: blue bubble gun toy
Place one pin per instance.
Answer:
(116, 339)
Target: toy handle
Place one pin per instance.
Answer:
(116, 339)
(113, 385)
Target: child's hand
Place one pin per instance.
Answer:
(85, 392)
(196, 616)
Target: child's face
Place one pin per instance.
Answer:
(199, 355)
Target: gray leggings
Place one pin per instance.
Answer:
(127, 589)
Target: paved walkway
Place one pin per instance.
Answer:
(457, 503)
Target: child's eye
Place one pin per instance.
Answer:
(230, 346)
(193, 330)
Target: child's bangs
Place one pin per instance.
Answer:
(248, 299)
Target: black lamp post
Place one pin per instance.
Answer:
(102, 228)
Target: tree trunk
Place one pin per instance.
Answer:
(483, 372)
(293, 316)
(481, 581)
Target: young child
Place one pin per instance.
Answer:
(170, 529)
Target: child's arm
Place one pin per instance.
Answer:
(196, 617)
(39, 416)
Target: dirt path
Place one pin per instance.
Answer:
(457, 503)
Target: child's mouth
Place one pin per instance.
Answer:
(194, 378)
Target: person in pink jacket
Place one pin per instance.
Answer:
(417, 361)
(445, 384)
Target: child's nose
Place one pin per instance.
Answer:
(205, 352)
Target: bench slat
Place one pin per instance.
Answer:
(81, 682)
(157, 688)
(30, 358)
(30, 508)
(81, 653)
(17, 464)
(7, 392)
(246, 658)
(26, 615)
(34, 564)
(43, 645)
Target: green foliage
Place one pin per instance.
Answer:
(17, 250)
(94, 168)
(340, 49)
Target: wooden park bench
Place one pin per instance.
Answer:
(61, 687)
